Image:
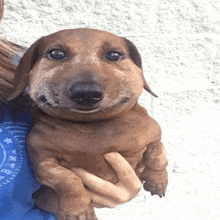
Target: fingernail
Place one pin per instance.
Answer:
(108, 155)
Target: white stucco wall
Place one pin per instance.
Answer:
(179, 41)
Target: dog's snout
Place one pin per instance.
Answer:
(86, 94)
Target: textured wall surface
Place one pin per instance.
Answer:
(179, 41)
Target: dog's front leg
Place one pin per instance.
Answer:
(155, 174)
(74, 201)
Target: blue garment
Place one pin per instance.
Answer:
(16, 179)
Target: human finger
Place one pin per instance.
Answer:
(95, 183)
(126, 174)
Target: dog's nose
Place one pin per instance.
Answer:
(86, 94)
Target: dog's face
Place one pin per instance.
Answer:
(82, 74)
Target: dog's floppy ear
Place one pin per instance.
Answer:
(21, 78)
(136, 58)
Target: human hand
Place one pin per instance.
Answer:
(107, 194)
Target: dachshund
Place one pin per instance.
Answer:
(85, 84)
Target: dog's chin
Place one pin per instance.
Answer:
(96, 112)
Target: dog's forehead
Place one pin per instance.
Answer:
(85, 37)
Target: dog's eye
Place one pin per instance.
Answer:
(113, 56)
(56, 54)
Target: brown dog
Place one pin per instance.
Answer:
(86, 84)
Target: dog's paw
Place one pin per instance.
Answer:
(155, 182)
(88, 214)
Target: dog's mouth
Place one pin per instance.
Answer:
(97, 109)
(43, 100)
(84, 111)
(107, 106)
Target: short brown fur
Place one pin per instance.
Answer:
(66, 136)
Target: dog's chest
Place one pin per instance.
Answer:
(100, 136)
(84, 144)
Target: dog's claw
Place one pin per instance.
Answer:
(155, 182)
(159, 194)
(154, 189)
